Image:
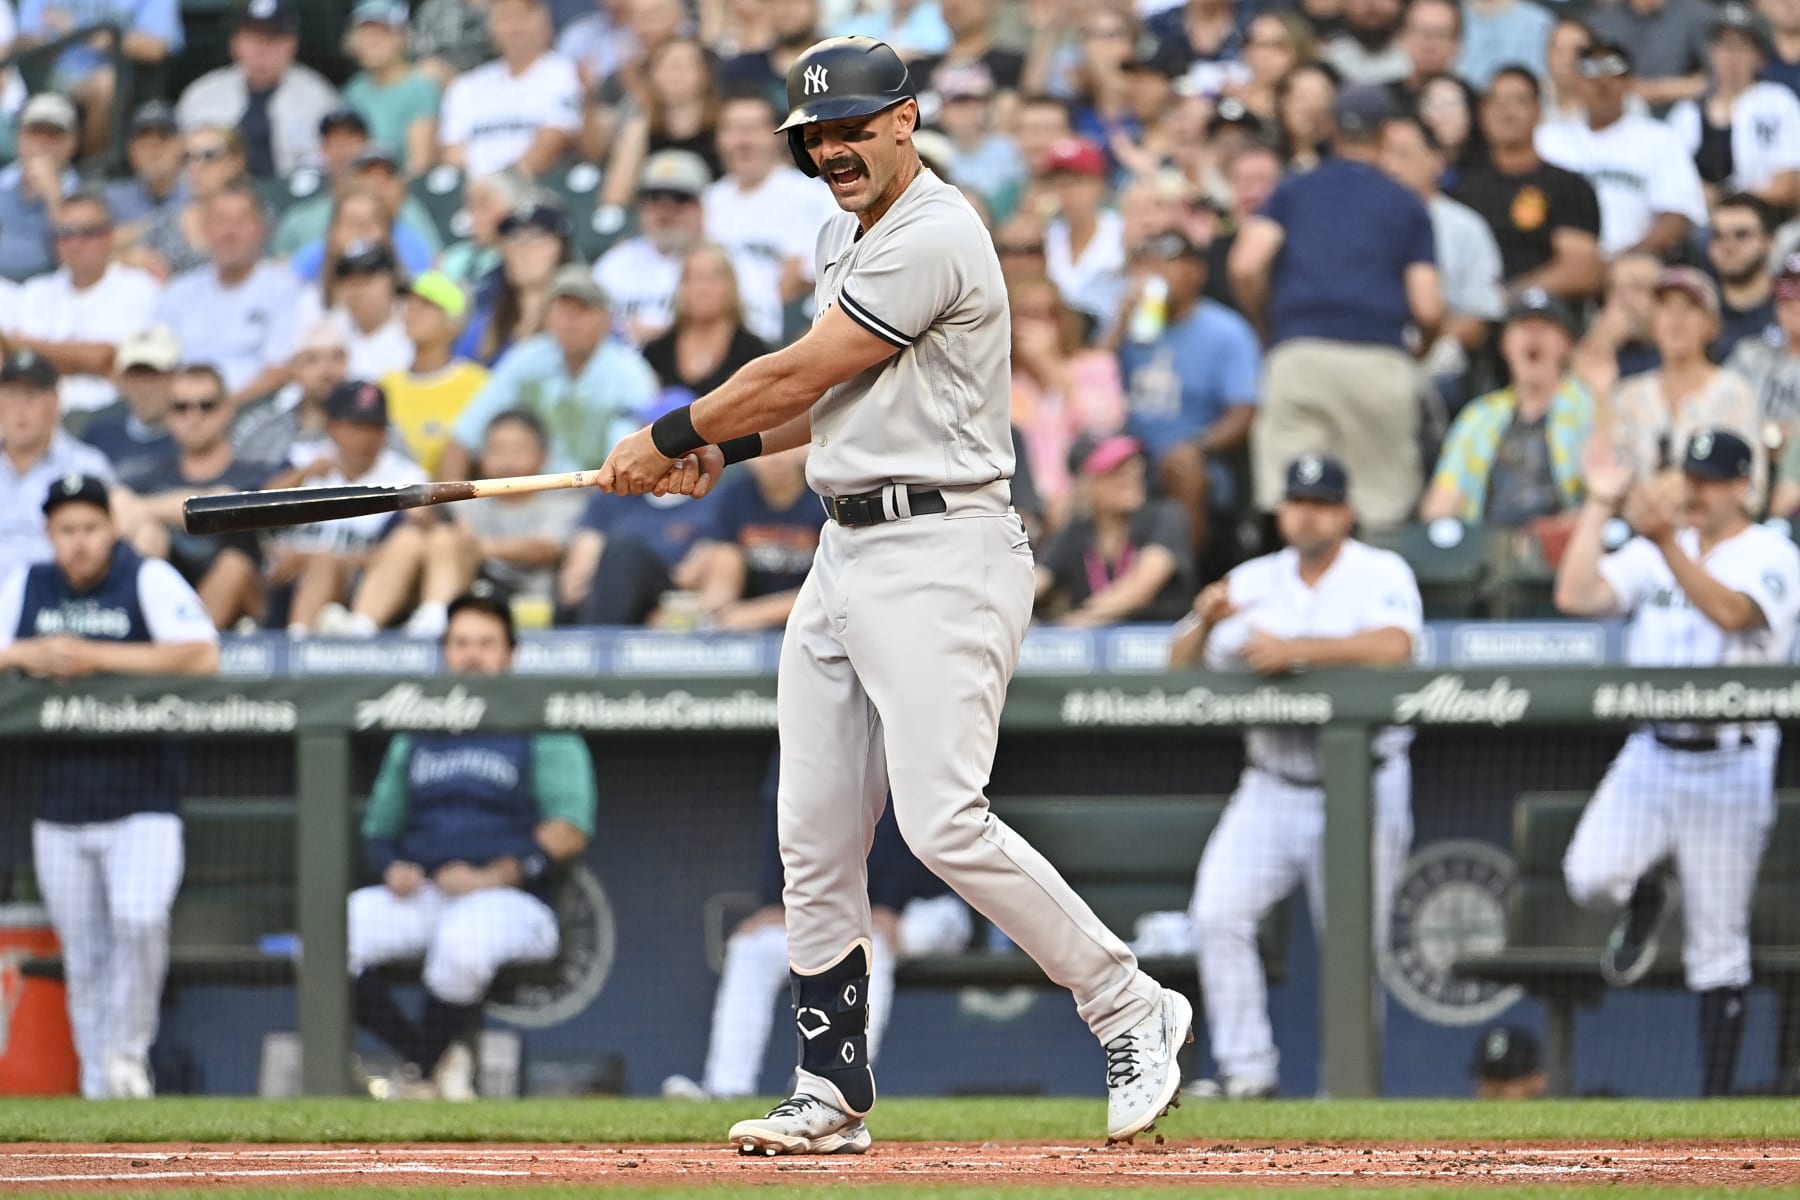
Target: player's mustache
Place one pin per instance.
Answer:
(847, 163)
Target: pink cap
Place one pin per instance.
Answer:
(1077, 156)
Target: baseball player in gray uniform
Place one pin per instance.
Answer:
(905, 634)
(1704, 586)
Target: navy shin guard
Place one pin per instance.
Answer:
(831, 1019)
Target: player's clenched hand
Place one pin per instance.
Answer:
(403, 878)
(694, 475)
(635, 466)
(1267, 654)
(67, 657)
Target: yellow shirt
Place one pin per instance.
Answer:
(424, 408)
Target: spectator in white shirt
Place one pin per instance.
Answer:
(521, 110)
(77, 315)
(273, 101)
(238, 313)
(1743, 133)
(764, 213)
(1084, 245)
(363, 298)
(1649, 192)
(640, 274)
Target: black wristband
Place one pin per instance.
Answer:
(740, 448)
(673, 433)
(534, 866)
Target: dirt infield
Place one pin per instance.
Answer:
(86, 1168)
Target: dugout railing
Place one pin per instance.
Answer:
(1528, 744)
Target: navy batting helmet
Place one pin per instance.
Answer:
(837, 78)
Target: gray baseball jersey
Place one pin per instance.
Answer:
(925, 279)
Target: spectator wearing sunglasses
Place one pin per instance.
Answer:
(225, 569)
(77, 315)
(172, 242)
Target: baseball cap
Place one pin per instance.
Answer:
(539, 213)
(935, 151)
(1735, 17)
(375, 154)
(1075, 156)
(155, 348)
(357, 401)
(577, 283)
(29, 370)
(1157, 56)
(343, 118)
(676, 173)
(77, 489)
(1604, 60)
(1537, 304)
(392, 13)
(1506, 1052)
(1693, 283)
(1360, 112)
(1232, 111)
(435, 287)
(972, 81)
(1092, 455)
(366, 258)
(1718, 455)
(48, 108)
(1317, 477)
(279, 17)
(154, 116)
(1787, 278)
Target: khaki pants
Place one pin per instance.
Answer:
(1356, 401)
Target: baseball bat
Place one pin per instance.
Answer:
(241, 512)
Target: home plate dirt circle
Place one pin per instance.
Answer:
(84, 1168)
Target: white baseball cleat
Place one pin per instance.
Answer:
(127, 1078)
(802, 1125)
(1142, 1076)
(454, 1076)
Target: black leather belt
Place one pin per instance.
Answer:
(870, 508)
(1690, 745)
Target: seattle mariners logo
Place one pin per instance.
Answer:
(1703, 446)
(1309, 469)
(1451, 903)
(813, 81)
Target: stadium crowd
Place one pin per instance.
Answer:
(1450, 243)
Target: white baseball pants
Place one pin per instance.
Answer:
(109, 886)
(1712, 811)
(1270, 839)
(464, 940)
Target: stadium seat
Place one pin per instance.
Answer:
(577, 185)
(1453, 563)
(282, 193)
(440, 190)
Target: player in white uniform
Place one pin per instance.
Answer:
(898, 652)
(1327, 600)
(107, 840)
(1704, 586)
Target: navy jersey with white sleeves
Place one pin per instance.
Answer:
(1365, 589)
(926, 280)
(1667, 630)
(137, 600)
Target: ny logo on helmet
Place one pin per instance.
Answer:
(814, 81)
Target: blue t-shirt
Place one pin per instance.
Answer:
(1179, 385)
(778, 544)
(193, 554)
(665, 529)
(128, 443)
(1351, 232)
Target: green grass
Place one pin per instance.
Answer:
(227, 1119)
(917, 1192)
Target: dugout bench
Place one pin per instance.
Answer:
(1553, 945)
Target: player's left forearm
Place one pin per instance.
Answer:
(1371, 648)
(1731, 611)
(766, 393)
